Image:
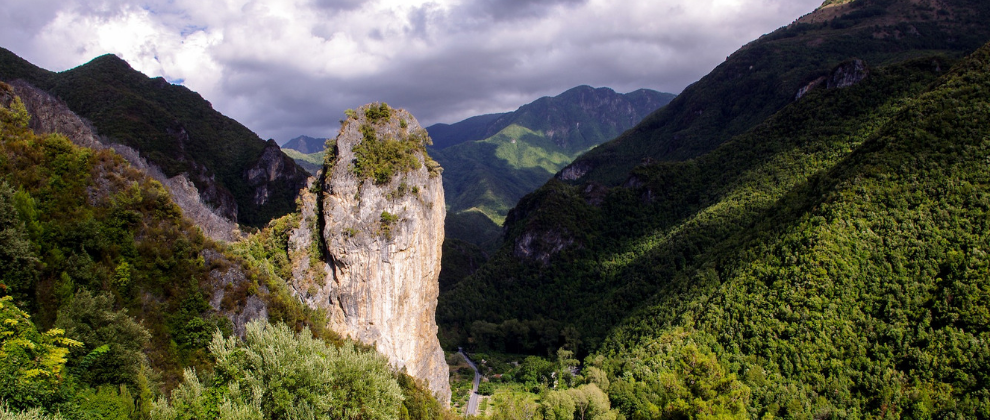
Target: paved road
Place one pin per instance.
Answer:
(472, 406)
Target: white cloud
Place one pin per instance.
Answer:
(289, 67)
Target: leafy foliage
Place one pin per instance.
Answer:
(7, 413)
(113, 342)
(279, 374)
(376, 113)
(381, 156)
(32, 363)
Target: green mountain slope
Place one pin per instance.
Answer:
(474, 128)
(766, 75)
(863, 292)
(826, 263)
(311, 162)
(175, 129)
(588, 256)
(583, 259)
(501, 157)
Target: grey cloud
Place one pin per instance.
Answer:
(444, 87)
(337, 5)
(515, 9)
(457, 65)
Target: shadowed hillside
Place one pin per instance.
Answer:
(234, 170)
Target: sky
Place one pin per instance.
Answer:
(286, 68)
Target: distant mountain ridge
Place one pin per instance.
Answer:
(306, 144)
(491, 161)
(557, 114)
(474, 128)
(245, 178)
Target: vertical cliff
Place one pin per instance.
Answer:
(368, 247)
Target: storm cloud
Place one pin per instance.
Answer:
(291, 67)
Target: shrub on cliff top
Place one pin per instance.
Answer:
(378, 112)
(381, 158)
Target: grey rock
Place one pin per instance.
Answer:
(377, 280)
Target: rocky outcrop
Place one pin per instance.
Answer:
(541, 246)
(847, 74)
(270, 170)
(375, 218)
(228, 280)
(574, 171)
(842, 76)
(51, 115)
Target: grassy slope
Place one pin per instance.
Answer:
(474, 128)
(305, 144)
(312, 162)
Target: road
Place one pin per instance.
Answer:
(472, 406)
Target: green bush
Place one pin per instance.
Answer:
(382, 158)
(376, 113)
(486, 388)
(278, 374)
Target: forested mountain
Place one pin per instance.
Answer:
(754, 251)
(110, 298)
(177, 130)
(767, 74)
(491, 161)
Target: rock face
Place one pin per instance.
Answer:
(380, 230)
(272, 166)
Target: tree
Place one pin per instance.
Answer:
(32, 363)
(18, 262)
(114, 341)
(33, 414)
(557, 405)
(565, 361)
(594, 375)
(513, 406)
(590, 403)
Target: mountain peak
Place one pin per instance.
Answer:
(109, 60)
(305, 144)
(832, 3)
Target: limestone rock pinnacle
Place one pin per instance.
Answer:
(378, 211)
